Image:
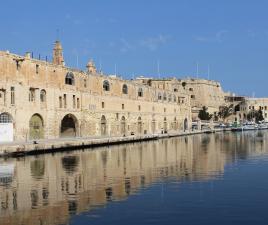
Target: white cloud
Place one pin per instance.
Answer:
(153, 43)
(218, 37)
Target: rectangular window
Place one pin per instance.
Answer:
(36, 68)
(165, 109)
(123, 106)
(60, 102)
(12, 100)
(139, 108)
(85, 83)
(65, 101)
(102, 105)
(74, 102)
(78, 103)
(32, 95)
(265, 107)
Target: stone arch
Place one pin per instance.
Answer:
(103, 126)
(123, 126)
(69, 126)
(185, 124)
(139, 126)
(36, 126)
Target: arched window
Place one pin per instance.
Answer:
(43, 95)
(69, 78)
(140, 92)
(5, 118)
(159, 96)
(125, 89)
(106, 85)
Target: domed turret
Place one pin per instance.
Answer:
(91, 68)
(57, 54)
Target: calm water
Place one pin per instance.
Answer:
(203, 179)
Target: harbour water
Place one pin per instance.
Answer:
(219, 178)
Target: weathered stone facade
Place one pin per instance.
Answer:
(49, 100)
(201, 92)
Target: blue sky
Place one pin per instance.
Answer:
(231, 36)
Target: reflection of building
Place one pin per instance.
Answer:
(39, 99)
(48, 188)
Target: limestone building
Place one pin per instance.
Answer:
(200, 92)
(44, 100)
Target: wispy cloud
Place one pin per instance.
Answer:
(218, 37)
(153, 43)
(125, 45)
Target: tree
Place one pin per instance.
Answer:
(225, 111)
(254, 114)
(203, 114)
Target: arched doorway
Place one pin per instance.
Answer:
(103, 126)
(165, 124)
(139, 127)
(6, 127)
(123, 126)
(153, 126)
(36, 127)
(68, 126)
(185, 124)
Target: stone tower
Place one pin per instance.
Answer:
(58, 54)
(91, 68)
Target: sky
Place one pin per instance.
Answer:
(143, 37)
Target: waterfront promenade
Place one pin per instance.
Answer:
(61, 144)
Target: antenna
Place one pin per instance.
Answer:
(197, 69)
(158, 69)
(115, 69)
(100, 64)
(77, 64)
(58, 34)
(208, 71)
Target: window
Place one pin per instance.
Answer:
(125, 89)
(36, 68)
(65, 101)
(69, 78)
(165, 97)
(123, 106)
(159, 96)
(74, 105)
(249, 107)
(85, 83)
(102, 105)
(60, 102)
(169, 98)
(165, 109)
(140, 92)
(106, 85)
(12, 100)
(32, 95)
(139, 108)
(191, 89)
(78, 103)
(175, 90)
(265, 107)
(192, 96)
(5, 118)
(43, 96)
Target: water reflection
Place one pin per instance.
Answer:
(48, 189)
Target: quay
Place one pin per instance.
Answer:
(15, 149)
